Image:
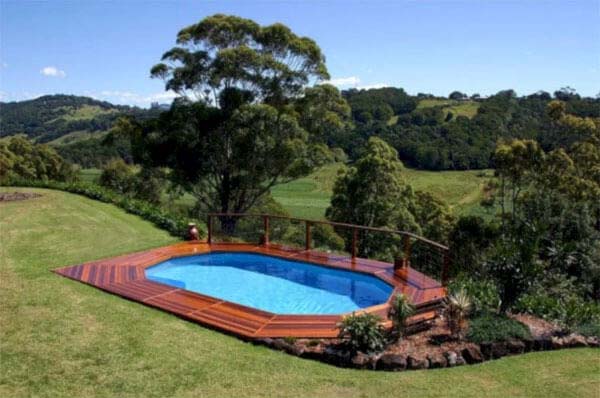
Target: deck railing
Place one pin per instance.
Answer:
(416, 251)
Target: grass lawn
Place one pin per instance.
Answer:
(62, 338)
(308, 197)
(458, 108)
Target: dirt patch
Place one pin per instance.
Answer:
(14, 196)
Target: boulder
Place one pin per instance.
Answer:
(391, 362)
(593, 341)
(557, 343)
(337, 356)
(515, 346)
(576, 340)
(417, 363)
(472, 354)
(499, 350)
(437, 361)
(360, 360)
(542, 343)
(453, 358)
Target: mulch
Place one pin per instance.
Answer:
(14, 196)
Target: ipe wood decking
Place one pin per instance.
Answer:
(125, 276)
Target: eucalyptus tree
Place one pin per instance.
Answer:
(243, 122)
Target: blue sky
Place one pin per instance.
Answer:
(105, 49)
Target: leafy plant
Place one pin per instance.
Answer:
(457, 307)
(591, 328)
(402, 309)
(363, 332)
(489, 327)
(483, 293)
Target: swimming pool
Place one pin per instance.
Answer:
(272, 284)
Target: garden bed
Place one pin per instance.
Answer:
(14, 196)
(433, 348)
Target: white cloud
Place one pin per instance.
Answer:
(374, 85)
(131, 98)
(344, 81)
(354, 81)
(53, 71)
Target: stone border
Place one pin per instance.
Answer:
(333, 352)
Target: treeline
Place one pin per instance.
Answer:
(432, 133)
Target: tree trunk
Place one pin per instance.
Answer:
(228, 224)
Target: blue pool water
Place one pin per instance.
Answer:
(271, 283)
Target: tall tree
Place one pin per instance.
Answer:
(246, 117)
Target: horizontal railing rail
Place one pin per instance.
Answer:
(407, 251)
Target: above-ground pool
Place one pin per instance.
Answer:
(272, 284)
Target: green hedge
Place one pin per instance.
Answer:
(175, 224)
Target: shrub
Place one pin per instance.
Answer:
(483, 293)
(402, 309)
(589, 328)
(490, 327)
(567, 311)
(364, 332)
(457, 307)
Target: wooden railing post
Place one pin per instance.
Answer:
(308, 237)
(209, 227)
(354, 241)
(266, 231)
(446, 268)
(407, 250)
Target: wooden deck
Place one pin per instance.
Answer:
(125, 276)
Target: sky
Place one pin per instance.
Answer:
(105, 49)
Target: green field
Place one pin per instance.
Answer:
(458, 108)
(61, 338)
(308, 197)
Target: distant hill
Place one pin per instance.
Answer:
(61, 119)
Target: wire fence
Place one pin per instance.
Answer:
(404, 249)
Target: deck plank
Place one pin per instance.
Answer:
(124, 276)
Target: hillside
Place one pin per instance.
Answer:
(62, 118)
(61, 338)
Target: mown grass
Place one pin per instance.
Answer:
(309, 197)
(60, 338)
(458, 108)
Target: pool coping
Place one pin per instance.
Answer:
(125, 276)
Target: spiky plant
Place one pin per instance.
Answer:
(401, 310)
(457, 307)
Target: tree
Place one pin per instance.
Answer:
(373, 193)
(22, 159)
(457, 95)
(245, 119)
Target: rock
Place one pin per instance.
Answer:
(542, 343)
(282, 345)
(337, 356)
(486, 350)
(391, 362)
(417, 363)
(557, 343)
(460, 360)
(576, 340)
(472, 354)
(437, 361)
(515, 346)
(528, 345)
(452, 358)
(499, 350)
(360, 360)
(593, 341)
